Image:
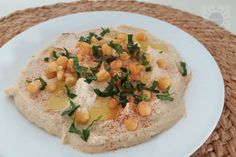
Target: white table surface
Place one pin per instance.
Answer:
(219, 11)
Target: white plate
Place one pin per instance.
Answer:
(204, 96)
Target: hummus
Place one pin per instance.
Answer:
(101, 90)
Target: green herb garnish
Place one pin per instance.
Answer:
(54, 55)
(117, 47)
(153, 87)
(95, 69)
(43, 83)
(67, 54)
(182, 68)
(84, 133)
(104, 31)
(110, 90)
(97, 52)
(90, 77)
(148, 69)
(107, 67)
(131, 46)
(69, 112)
(69, 93)
(143, 59)
(140, 86)
(46, 59)
(139, 98)
(109, 59)
(123, 98)
(80, 70)
(89, 37)
(165, 97)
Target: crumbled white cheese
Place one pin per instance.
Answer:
(85, 95)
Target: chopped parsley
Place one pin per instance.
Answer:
(69, 112)
(96, 68)
(139, 98)
(117, 47)
(80, 70)
(89, 37)
(90, 77)
(107, 67)
(104, 31)
(54, 55)
(123, 98)
(143, 59)
(67, 54)
(46, 59)
(109, 59)
(69, 93)
(182, 68)
(140, 86)
(148, 69)
(43, 83)
(153, 87)
(84, 133)
(131, 46)
(110, 90)
(97, 52)
(165, 97)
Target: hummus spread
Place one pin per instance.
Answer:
(103, 89)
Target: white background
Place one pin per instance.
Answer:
(224, 10)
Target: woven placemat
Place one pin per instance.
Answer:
(221, 44)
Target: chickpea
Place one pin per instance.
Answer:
(134, 68)
(131, 124)
(60, 75)
(68, 74)
(124, 56)
(144, 109)
(59, 68)
(162, 63)
(81, 116)
(70, 81)
(112, 103)
(62, 61)
(141, 36)
(94, 39)
(144, 79)
(116, 64)
(117, 41)
(51, 87)
(121, 37)
(70, 65)
(148, 94)
(102, 75)
(50, 74)
(32, 87)
(85, 48)
(163, 83)
(106, 50)
(52, 67)
(81, 57)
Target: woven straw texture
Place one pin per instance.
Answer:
(221, 44)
